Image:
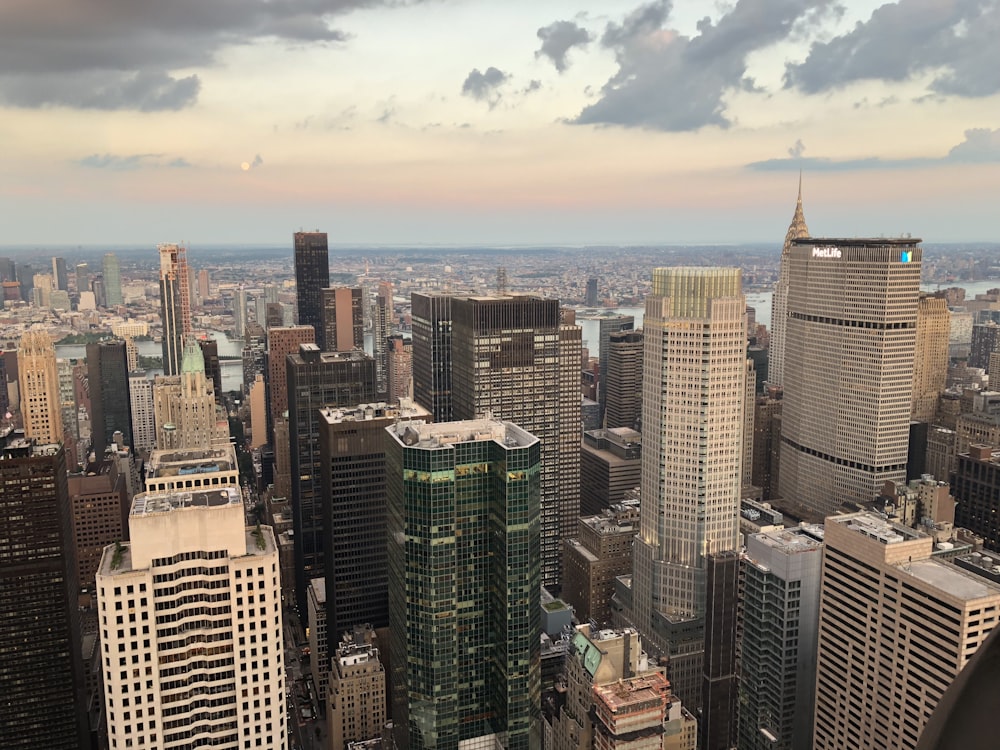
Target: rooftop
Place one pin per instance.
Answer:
(169, 463)
(418, 434)
(789, 540)
(876, 527)
(858, 241)
(147, 503)
(950, 580)
(407, 409)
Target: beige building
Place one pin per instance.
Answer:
(199, 468)
(896, 626)
(848, 380)
(280, 343)
(258, 412)
(356, 704)
(38, 387)
(694, 385)
(930, 362)
(185, 411)
(638, 713)
(190, 613)
(779, 300)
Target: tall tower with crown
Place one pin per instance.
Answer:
(779, 302)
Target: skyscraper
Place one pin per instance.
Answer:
(110, 407)
(621, 383)
(41, 679)
(240, 313)
(694, 387)
(317, 379)
(431, 316)
(112, 280)
(191, 626)
(185, 410)
(343, 328)
(280, 343)
(609, 325)
(779, 301)
(82, 278)
(848, 378)
(383, 329)
(465, 616)
(400, 368)
(896, 626)
(513, 358)
(59, 274)
(140, 391)
(930, 362)
(312, 274)
(38, 381)
(175, 305)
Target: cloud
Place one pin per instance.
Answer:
(130, 162)
(558, 38)
(484, 87)
(955, 42)
(533, 85)
(981, 146)
(671, 82)
(139, 54)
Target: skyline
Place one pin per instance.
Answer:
(454, 122)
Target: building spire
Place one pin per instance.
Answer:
(797, 228)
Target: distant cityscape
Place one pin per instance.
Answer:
(533, 498)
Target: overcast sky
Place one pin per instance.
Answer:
(522, 121)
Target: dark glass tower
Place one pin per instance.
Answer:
(312, 275)
(175, 305)
(317, 379)
(110, 407)
(41, 679)
(464, 584)
(431, 314)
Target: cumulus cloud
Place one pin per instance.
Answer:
(130, 162)
(138, 55)
(484, 87)
(980, 146)
(668, 81)
(558, 38)
(955, 42)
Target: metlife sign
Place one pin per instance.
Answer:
(826, 251)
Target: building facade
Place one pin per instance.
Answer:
(689, 507)
(110, 410)
(280, 343)
(779, 301)
(621, 382)
(852, 314)
(610, 465)
(464, 612)
(431, 322)
(312, 275)
(38, 388)
(343, 328)
(356, 707)
(112, 280)
(930, 361)
(191, 626)
(175, 305)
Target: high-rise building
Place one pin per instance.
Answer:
(848, 377)
(689, 506)
(82, 278)
(779, 301)
(184, 406)
(717, 724)
(317, 379)
(240, 313)
(41, 677)
(976, 486)
(110, 408)
(930, 362)
(609, 325)
(280, 343)
(312, 274)
(591, 297)
(352, 481)
(26, 278)
(357, 699)
(512, 357)
(766, 418)
(254, 351)
(257, 397)
(140, 392)
(985, 341)
(610, 464)
(383, 323)
(621, 383)
(112, 280)
(896, 625)
(191, 627)
(213, 368)
(38, 388)
(343, 328)
(400, 368)
(464, 610)
(99, 499)
(204, 285)
(175, 305)
(60, 275)
(4, 395)
(431, 321)
(779, 617)
(8, 270)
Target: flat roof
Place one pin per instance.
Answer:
(788, 540)
(876, 527)
(419, 434)
(168, 463)
(950, 580)
(406, 409)
(147, 503)
(857, 241)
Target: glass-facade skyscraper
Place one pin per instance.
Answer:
(464, 581)
(175, 305)
(312, 275)
(112, 280)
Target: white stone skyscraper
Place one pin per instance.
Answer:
(694, 385)
(779, 301)
(191, 631)
(849, 357)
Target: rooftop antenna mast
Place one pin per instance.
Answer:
(501, 280)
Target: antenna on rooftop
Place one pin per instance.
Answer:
(501, 280)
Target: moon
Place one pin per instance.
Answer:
(245, 166)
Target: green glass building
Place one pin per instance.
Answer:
(464, 580)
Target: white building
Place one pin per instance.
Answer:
(191, 629)
(140, 389)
